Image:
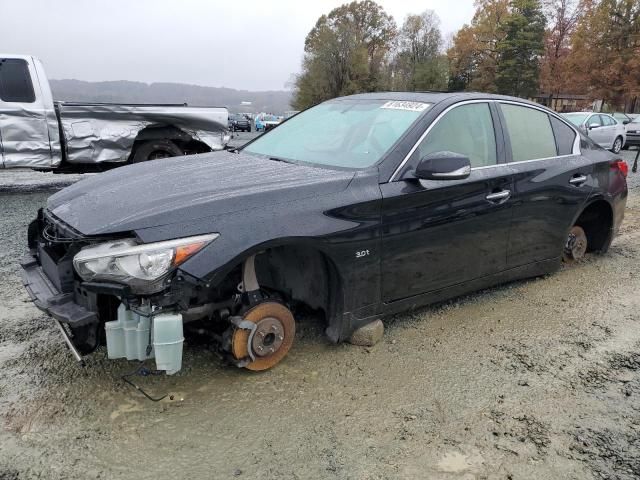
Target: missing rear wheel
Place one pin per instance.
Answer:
(576, 246)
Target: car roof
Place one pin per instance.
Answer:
(15, 56)
(434, 97)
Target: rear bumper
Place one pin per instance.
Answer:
(50, 300)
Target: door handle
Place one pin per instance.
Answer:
(578, 180)
(499, 197)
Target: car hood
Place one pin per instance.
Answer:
(181, 189)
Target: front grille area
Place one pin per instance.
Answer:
(55, 244)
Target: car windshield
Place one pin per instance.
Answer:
(576, 118)
(340, 133)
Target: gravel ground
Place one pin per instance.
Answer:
(532, 380)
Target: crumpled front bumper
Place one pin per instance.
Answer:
(61, 306)
(49, 299)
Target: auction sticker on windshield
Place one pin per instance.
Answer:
(400, 105)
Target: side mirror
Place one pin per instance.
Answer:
(626, 122)
(593, 125)
(443, 166)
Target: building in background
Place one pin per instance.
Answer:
(564, 102)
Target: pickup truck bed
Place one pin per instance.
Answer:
(40, 133)
(103, 132)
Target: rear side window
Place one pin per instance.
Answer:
(530, 133)
(468, 130)
(15, 81)
(608, 121)
(565, 136)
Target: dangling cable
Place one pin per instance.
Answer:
(143, 371)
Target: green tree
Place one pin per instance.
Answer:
(520, 49)
(418, 63)
(346, 52)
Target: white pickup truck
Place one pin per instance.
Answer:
(40, 133)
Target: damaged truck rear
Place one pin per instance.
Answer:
(39, 133)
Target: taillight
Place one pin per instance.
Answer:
(621, 166)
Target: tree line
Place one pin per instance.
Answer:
(513, 47)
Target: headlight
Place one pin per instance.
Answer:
(125, 261)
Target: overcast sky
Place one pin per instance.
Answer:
(242, 44)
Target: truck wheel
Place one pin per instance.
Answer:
(155, 149)
(270, 341)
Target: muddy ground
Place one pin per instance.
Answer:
(533, 380)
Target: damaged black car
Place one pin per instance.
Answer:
(359, 207)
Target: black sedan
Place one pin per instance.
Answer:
(239, 123)
(359, 207)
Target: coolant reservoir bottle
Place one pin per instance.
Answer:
(168, 340)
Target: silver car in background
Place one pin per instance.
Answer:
(603, 129)
(633, 133)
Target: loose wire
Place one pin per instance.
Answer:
(143, 371)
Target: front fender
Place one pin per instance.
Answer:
(344, 226)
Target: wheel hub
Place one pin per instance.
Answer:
(576, 246)
(269, 341)
(268, 337)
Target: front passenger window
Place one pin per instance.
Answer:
(468, 130)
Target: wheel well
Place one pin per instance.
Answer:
(304, 276)
(182, 139)
(596, 220)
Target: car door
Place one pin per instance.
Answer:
(552, 182)
(438, 233)
(609, 128)
(596, 131)
(24, 131)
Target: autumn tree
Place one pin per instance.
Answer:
(474, 55)
(520, 48)
(418, 63)
(555, 68)
(347, 51)
(463, 59)
(605, 53)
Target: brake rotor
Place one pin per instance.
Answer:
(270, 341)
(576, 246)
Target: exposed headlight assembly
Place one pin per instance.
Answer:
(125, 261)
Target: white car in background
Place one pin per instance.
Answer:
(603, 129)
